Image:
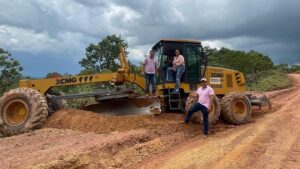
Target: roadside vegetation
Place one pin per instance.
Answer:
(10, 71)
(270, 80)
(260, 72)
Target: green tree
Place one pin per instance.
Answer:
(54, 75)
(246, 62)
(103, 56)
(294, 68)
(285, 68)
(250, 63)
(9, 71)
(282, 67)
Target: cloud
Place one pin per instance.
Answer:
(19, 39)
(138, 53)
(218, 44)
(30, 41)
(64, 28)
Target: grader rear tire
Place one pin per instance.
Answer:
(236, 108)
(22, 110)
(197, 117)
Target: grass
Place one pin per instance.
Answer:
(270, 80)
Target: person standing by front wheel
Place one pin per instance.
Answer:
(150, 66)
(179, 68)
(205, 98)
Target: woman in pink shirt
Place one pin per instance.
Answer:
(178, 67)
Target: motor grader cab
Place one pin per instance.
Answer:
(26, 108)
(192, 51)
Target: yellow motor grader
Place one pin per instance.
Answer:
(26, 108)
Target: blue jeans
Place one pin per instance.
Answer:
(196, 107)
(179, 72)
(150, 78)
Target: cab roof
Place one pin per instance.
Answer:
(178, 41)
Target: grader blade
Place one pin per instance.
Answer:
(127, 106)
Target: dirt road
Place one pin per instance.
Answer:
(82, 139)
(270, 142)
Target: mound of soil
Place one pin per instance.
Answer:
(100, 123)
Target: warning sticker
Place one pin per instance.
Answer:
(215, 80)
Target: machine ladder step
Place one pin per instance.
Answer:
(175, 102)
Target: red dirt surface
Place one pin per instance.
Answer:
(82, 139)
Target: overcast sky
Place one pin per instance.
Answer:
(51, 35)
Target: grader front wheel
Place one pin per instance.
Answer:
(213, 115)
(22, 110)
